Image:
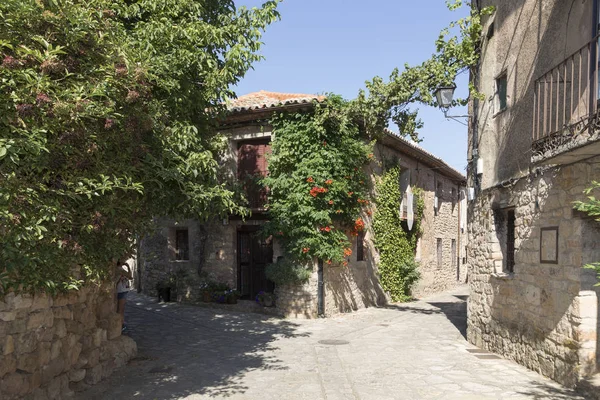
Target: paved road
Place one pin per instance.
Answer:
(407, 351)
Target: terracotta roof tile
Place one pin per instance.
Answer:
(264, 99)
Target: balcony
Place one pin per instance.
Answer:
(566, 122)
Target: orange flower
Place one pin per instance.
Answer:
(359, 224)
(338, 211)
(370, 156)
(345, 263)
(328, 182)
(347, 252)
(305, 249)
(310, 179)
(369, 212)
(324, 143)
(325, 229)
(329, 262)
(330, 201)
(350, 194)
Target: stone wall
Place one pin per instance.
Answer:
(544, 316)
(51, 347)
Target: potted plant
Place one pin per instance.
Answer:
(206, 290)
(232, 296)
(219, 292)
(265, 299)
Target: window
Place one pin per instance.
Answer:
(453, 252)
(501, 91)
(360, 246)
(404, 207)
(252, 165)
(182, 247)
(439, 189)
(439, 253)
(504, 220)
(510, 241)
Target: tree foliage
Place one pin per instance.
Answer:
(397, 268)
(591, 206)
(392, 100)
(316, 182)
(309, 215)
(107, 112)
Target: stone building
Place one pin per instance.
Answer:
(533, 149)
(229, 250)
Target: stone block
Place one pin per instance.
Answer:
(8, 346)
(53, 389)
(22, 301)
(99, 337)
(25, 343)
(41, 301)
(29, 362)
(74, 353)
(79, 386)
(15, 384)
(93, 357)
(93, 375)
(44, 334)
(8, 315)
(42, 318)
(62, 312)
(8, 364)
(75, 327)
(55, 350)
(60, 328)
(113, 330)
(53, 369)
(77, 375)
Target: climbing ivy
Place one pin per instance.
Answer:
(398, 270)
(316, 182)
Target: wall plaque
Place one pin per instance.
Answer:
(549, 245)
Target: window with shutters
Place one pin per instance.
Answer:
(252, 166)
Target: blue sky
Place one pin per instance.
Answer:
(322, 46)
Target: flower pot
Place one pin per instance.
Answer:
(206, 297)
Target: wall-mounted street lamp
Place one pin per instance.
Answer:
(444, 96)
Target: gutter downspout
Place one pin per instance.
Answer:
(594, 61)
(320, 289)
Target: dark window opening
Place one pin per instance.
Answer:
(490, 31)
(453, 252)
(501, 88)
(182, 247)
(510, 241)
(439, 253)
(360, 246)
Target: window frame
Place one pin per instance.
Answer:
(178, 247)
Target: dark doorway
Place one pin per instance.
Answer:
(254, 254)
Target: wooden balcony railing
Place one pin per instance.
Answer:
(566, 98)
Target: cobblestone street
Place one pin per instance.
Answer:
(407, 351)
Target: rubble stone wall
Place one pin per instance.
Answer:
(544, 315)
(51, 347)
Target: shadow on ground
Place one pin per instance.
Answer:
(455, 310)
(186, 350)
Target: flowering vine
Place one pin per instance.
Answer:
(316, 180)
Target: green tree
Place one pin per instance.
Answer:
(107, 113)
(591, 206)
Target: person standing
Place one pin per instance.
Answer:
(123, 287)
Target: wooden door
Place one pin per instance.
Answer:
(254, 254)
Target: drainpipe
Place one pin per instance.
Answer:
(320, 289)
(594, 61)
